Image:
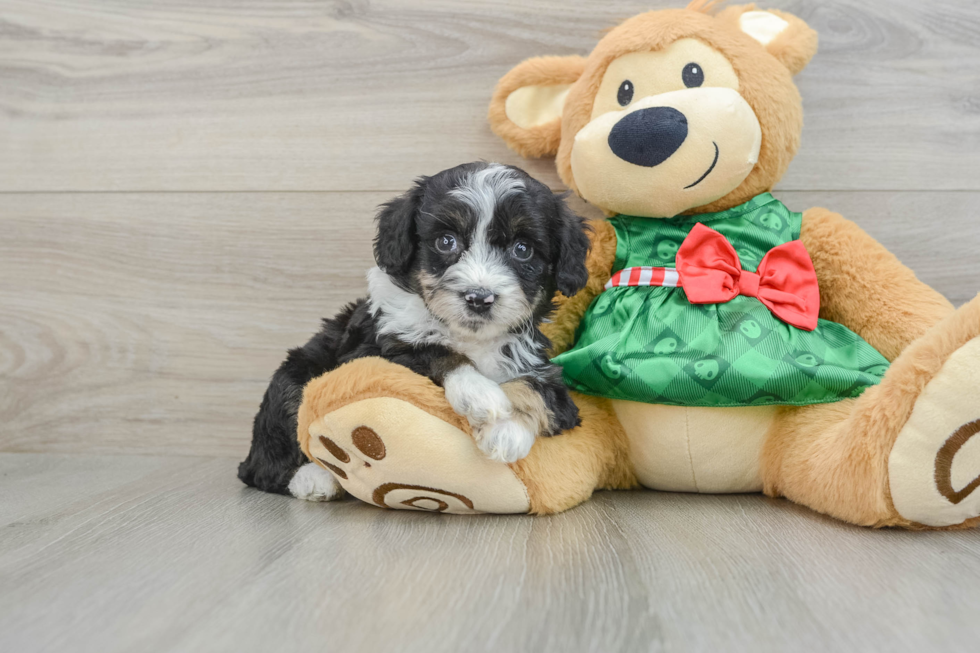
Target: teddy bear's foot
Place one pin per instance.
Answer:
(411, 460)
(388, 436)
(934, 465)
(906, 452)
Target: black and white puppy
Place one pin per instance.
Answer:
(468, 263)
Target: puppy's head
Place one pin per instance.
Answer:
(484, 245)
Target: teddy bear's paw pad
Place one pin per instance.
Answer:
(934, 467)
(418, 497)
(312, 483)
(391, 453)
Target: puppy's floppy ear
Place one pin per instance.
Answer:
(527, 104)
(783, 35)
(397, 239)
(571, 275)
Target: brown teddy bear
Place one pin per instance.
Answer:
(723, 343)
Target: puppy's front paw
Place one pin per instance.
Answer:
(477, 398)
(506, 440)
(312, 483)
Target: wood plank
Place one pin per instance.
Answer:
(150, 323)
(351, 95)
(186, 559)
(73, 480)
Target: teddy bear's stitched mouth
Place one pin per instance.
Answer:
(708, 172)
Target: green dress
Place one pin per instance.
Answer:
(650, 344)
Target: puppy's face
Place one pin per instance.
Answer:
(484, 245)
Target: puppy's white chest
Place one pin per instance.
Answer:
(490, 362)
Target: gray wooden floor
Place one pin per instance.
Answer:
(169, 553)
(186, 187)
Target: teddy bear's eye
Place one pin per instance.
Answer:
(625, 94)
(692, 75)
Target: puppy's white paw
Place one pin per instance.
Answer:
(313, 483)
(476, 397)
(506, 440)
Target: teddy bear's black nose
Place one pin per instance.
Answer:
(648, 137)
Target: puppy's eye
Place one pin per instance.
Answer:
(693, 75)
(625, 94)
(522, 251)
(446, 244)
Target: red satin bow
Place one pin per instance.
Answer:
(711, 273)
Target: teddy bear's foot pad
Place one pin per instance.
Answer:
(390, 453)
(934, 466)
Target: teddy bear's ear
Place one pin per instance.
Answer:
(526, 107)
(784, 36)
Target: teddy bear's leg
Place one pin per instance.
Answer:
(390, 438)
(905, 453)
(563, 471)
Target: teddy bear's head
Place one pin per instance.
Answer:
(674, 111)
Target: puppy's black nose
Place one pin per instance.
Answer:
(479, 300)
(648, 137)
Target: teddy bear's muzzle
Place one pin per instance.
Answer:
(667, 153)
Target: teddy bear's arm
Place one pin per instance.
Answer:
(865, 287)
(569, 312)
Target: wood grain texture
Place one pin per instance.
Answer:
(156, 321)
(358, 95)
(176, 555)
(151, 323)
